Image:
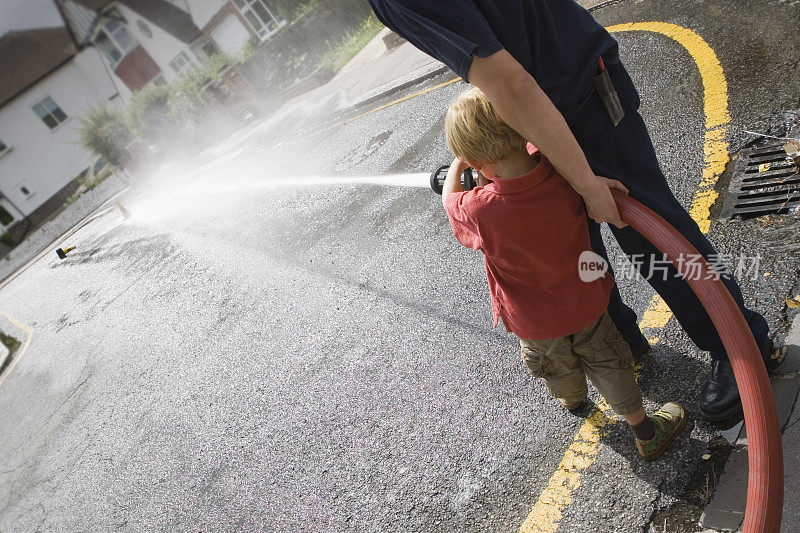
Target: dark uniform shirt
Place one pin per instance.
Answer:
(557, 41)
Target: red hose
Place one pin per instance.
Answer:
(765, 451)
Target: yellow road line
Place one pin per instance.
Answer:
(548, 510)
(29, 333)
(384, 106)
(715, 106)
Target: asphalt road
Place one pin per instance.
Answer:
(245, 354)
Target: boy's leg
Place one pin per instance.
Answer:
(608, 362)
(552, 361)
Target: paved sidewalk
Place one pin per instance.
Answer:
(725, 511)
(375, 72)
(372, 74)
(42, 238)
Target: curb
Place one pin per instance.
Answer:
(725, 510)
(99, 211)
(371, 99)
(343, 114)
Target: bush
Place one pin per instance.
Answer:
(338, 56)
(249, 49)
(291, 10)
(189, 101)
(104, 133)
(148, 115)
(180, 116)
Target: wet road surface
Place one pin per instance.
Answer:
(321, 358)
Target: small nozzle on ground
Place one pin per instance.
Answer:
(62, 252)
(122, 210)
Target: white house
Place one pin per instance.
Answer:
(109, 50)
(156, 41)
(143, 42)
(46, 84)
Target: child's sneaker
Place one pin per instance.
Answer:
(669, 421)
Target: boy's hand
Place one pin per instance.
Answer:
(460, 165)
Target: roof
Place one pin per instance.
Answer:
(28, 56)
(162, 13)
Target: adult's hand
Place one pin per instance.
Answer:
(600, 205)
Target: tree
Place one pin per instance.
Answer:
(104, 133)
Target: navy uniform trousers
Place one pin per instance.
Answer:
(626, 153)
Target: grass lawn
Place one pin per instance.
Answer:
(338, 56)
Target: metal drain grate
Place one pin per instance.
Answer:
(765, 181)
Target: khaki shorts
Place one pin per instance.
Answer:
(597, 351)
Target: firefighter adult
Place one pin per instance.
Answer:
(536, 61)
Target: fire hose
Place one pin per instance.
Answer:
(764, 448)
(765, 451)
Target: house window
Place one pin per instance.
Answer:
(25, 191)
(50, 113)
(115, 41)
(159, 81)
(181, 63)
(6, 218)
(264, 20)
(108, 48)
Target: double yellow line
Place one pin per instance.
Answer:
(548, 510)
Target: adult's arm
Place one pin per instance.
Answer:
(520, 101)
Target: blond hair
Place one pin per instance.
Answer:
(475, 132)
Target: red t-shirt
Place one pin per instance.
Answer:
(532, 230)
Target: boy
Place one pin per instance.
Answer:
(531, 227)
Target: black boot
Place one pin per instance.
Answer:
(720, 400)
